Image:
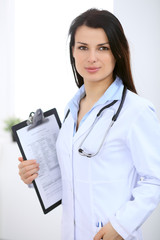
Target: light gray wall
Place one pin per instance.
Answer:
(141, 22)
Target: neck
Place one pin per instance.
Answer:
(94, 91)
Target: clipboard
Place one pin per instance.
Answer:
(36, 139)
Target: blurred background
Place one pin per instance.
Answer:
(35, 73)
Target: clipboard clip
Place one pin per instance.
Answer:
(35, 118)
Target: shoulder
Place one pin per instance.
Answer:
(138, 109)
(138, 103)
(140, 120)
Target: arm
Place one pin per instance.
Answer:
(143, 142)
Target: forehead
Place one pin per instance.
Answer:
(90, 35)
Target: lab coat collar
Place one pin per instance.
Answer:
(114, 92)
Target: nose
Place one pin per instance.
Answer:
(92, 56)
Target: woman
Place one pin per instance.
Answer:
(110, 169)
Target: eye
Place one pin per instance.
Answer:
(82, 48)
(104, 48)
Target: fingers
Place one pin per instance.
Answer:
(20, 159)
(99, 235)
(107, 233)
(30, 179)
(28, 170)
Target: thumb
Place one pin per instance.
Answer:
(20, 159)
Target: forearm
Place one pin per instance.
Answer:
(133, 214)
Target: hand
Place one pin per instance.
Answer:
(28, 170)
(107, 233)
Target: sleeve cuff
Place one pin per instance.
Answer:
(30, 185)
(119, 228)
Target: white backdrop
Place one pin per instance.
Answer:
(43, 76)
(6, 60)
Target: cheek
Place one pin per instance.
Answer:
(79, 60)
(79, 64)
(78, 57)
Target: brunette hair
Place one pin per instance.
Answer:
(95, 18)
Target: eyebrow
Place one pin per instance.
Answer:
(101, 44)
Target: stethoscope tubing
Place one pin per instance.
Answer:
(114, 118)
(89, 155)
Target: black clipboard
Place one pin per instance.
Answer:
(32, 123)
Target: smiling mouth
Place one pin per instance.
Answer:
(92, 69)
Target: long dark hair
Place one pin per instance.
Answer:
(95, 18)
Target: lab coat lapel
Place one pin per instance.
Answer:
(85, 126)
(90, 120)
(67, 136)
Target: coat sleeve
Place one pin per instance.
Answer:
(143, 142)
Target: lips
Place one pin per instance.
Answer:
(92, 69)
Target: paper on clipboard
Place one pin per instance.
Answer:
(40, 143)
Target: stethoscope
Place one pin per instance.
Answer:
(114, 118)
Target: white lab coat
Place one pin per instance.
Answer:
(122, 183)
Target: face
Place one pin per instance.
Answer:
(94, 60)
